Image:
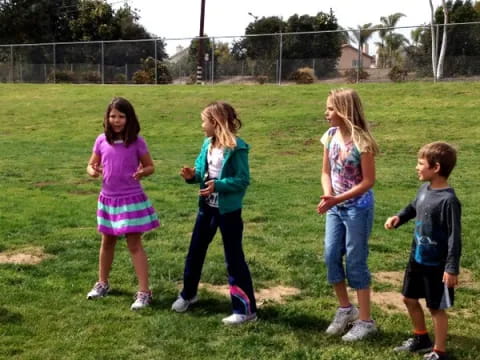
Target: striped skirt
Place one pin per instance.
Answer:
(123, 215)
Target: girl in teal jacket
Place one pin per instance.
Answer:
(222, 171)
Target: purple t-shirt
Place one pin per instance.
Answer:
(119, 164)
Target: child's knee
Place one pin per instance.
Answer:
(409, 302)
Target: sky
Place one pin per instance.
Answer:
(174, 19)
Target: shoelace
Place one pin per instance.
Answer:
(340, 316)
(100, 286)
(408, 342)
(142, 297)
(357, 327)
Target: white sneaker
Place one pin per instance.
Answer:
(237, 319)
(99, 290)
(341, 320)
(181, 305)
(142, 300)
(360, 330)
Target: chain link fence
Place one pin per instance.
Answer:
(267, 58)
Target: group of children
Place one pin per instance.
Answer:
(122, 158)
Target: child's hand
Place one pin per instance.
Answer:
(187, 173)
(326, 203)
(392, 222)
(208, 189)
(95, 170)
(450, 280)
(137, 175)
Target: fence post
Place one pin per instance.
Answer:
(11, 63)
(359, 55)
(212, 65)
(54, 64)
(156, 71)
(280, 60)
(103, 63)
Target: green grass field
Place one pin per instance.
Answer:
(48, 201)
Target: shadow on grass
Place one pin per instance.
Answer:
(10, 317)
(292, 319)
(117, 292)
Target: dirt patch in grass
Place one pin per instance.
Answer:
(394, 278)
(25, 256)
(275, 294)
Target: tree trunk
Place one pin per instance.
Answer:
(444, 42)
(434, 42)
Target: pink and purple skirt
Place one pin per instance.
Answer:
(123, 215)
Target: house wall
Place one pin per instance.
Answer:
(349, 59)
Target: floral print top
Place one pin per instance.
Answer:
(345, 169)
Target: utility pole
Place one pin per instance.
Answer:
(200, 57)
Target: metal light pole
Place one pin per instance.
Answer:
(201, 55)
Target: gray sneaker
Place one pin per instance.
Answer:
(417, 344)
(181, 305)
(99, 290)
(341, 320)
(360, 330)
(142, 300)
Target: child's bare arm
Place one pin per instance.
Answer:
(147, 168)
(94, 168)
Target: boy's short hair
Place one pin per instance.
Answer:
(442, 153)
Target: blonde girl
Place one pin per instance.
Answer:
(348, 174)
(222, 171)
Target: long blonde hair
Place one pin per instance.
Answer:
(225, 122)
(347, 104)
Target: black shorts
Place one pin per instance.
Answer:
(426, 282)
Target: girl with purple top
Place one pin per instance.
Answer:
(348, 174)
(121, 156)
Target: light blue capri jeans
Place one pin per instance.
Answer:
(347, 231)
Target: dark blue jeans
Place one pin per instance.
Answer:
(208, 221)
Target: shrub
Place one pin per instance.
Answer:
(261, 79)
(303, 75)
(142, 77)
(120, 78)
(91, 76)
(351, 75)
(398, 74)
(147, 74)
(62, 76)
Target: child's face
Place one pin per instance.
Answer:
(330, 114)
(207, 126)
(426, 172)
(117, 120)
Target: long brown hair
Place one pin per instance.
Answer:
(225, 121)
(132, 126)
(348, 106)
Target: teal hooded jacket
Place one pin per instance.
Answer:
(234, 175)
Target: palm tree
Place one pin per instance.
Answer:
(395, 42)
(386, 31)
(361, 35)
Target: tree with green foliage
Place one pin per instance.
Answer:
(390, 43)
(48, 21)
(462, 56)
(325, 48)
